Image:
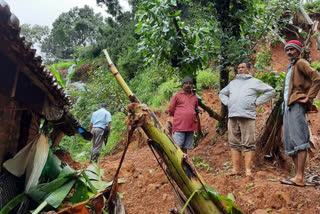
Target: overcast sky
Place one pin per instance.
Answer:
(44, 12)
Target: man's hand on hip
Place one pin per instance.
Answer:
(305, 100)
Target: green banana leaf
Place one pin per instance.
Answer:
(231, 208)
(59, 78)
(53, 167)
(87, 181)
(81, 192)
(59, 195)
(94, 174)
(56, 197)
(13, 203)
(41, 191)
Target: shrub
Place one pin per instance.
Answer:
(207, 79)
(167, 89)
(316, 65)
(146, 83)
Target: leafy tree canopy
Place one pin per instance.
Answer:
(34, 33)
(78, 27)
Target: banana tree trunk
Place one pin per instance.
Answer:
(179, 166)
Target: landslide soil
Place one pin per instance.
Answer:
(147, 191)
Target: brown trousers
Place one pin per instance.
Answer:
(241, 134)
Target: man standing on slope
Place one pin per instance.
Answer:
(241, 97)
(100, 128)
(182, 108)
(301, 86)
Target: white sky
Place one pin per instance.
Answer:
(44, 12)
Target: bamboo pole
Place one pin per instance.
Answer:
(120, 80)
(179, 166)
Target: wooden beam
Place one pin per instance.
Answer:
(15, 83)
(305, 15)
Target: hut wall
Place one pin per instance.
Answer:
(10, 116)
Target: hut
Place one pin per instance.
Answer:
(29, 97)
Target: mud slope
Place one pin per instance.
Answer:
(147, 190)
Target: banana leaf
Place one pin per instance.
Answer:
(231, 208)
(87, 181)
(81, 192)
(53, 167)
(56, 197)
(42, 191)
(67, 171)
(94, 174)
(59, 78)
(13, 203)
(59, 195)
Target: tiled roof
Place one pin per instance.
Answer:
(10, 32)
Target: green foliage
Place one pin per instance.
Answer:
(13, 203)
(130, 62)
(263, 60)
(58, 76)
(313, 6)
(63, 65)
(66, 83)
(167, 89)
(164, 93)
(34, 34)
(207, 79)
(215, 196)
(166, 38)
(146, 83)
(95, 174)
(275, 81)
(199, 163)
(316, 65)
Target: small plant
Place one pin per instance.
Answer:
(249, 186)
(213, 141)
(198, 162)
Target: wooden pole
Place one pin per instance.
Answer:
(312, 24)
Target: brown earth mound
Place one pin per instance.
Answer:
(147, 190)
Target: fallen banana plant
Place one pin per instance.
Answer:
(178, 167)
(85, 187)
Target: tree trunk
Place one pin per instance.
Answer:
(209, 110)
(222, 125)
(178, 165)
